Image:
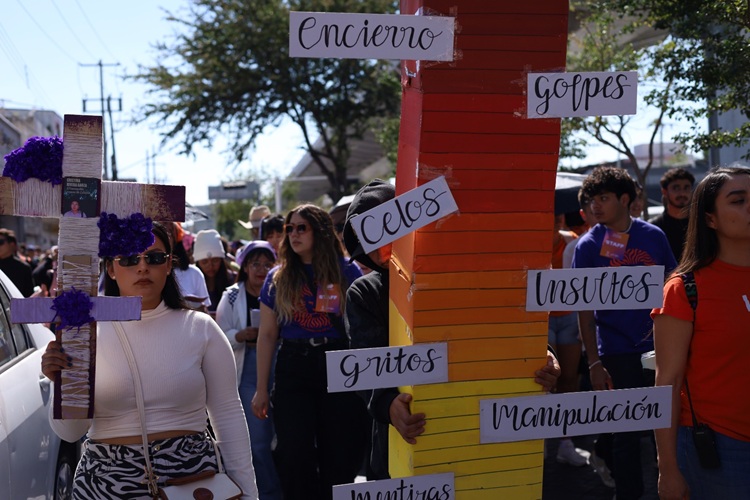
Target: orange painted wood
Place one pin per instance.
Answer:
(485, 58)
(503, 201)
(462, 7)
(488, 262)
(467, 222)
(473, 281)
(492, 161)
(493, 370)
(473, 82)
(513, 42)
(443, 333)
(472, 243)
(463, 351)
(437, 142)
(485, 123)
(497, 103)
(469, 315)
(439, 300)
(529, 24)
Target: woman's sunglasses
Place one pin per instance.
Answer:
(152, 259)
(300, 228)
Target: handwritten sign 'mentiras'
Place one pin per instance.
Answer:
(574, 414)
(560, 95)
(406, 213)
(370, 36)
(600, 288)
(382, 367)
(425, 487)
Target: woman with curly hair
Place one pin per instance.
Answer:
(320, 435)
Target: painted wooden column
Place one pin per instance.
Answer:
(463, 279)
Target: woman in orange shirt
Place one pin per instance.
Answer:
(701, 343)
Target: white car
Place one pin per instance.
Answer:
(34, 462)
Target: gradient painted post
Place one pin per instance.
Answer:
(463, 279)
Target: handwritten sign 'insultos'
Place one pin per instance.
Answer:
(395, 218)
(382, 367)
(600, 288)
(560, 95)
(370, 36)
(574, 414)
(424, 487)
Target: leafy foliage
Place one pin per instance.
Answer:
(227, 72)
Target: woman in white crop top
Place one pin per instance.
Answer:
(187, 370)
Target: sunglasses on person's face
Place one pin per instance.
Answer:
(300, 228)
(152, 259)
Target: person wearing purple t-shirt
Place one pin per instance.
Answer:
(320, 435)
(615, 340)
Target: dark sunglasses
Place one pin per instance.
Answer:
(152, 259)
(3, 242)
(300, 228)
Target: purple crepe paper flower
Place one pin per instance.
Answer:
(40, 158)
(126, 236)
(73, 308)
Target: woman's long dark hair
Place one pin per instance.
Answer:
(327, 256)
(701, 241)
(170, 294)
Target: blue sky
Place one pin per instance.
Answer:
(43, 44)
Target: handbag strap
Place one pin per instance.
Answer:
(691, 290)
(151, 477)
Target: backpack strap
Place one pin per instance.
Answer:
(688, 280)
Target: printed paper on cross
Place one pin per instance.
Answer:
(78, 260)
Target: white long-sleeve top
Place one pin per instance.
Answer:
(231, 315)
(186, 367)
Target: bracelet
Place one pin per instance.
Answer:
(597, 362)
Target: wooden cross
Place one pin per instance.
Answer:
(78, 260)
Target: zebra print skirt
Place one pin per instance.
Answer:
(118, 471)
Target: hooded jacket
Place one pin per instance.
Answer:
(367, 320)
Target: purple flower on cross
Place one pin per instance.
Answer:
(126, 236)
(73, 307)
(40, 158)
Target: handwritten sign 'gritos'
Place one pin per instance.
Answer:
(359, 369)
(370, 36)
(560, 95)
(426, 487)
(406, 213)
(574, 414)
(600, 288)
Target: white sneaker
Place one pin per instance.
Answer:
(601, 468)
(567, 453)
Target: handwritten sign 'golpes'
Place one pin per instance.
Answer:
(425, 487)
(406, 213)
(600, 288)
(574, 414)
(370, 36)
(381, 367)
(560, 95)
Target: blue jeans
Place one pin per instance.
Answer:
(261, 431)
(730, 480)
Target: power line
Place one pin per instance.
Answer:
(72, 31)
(20, 66)
(54, 42)
(94, 30)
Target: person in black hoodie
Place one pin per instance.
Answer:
(366, 324)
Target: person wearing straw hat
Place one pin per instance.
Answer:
(256, 216)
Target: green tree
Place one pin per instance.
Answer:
(227, 214)
(707, 59)
(227, 72)
(601, 49)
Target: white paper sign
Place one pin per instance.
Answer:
(559, 95)
(574, 414)
(359, 369)
(426, 487)
(599, 288)
(371, 36)
(406, 213)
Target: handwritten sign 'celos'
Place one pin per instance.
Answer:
(574, 414)
(370, 36)
(425, 487)
(377, 368)
(599, 288)
(560, 95)
(406, 213)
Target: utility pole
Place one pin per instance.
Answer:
(102, 109)
(112, 134)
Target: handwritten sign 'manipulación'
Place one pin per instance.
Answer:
(599, 288)
(359, 369)
(560, 95)
(406, 213)
(574, 414)
(371, 36)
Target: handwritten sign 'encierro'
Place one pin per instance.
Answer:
(574, 414)
(560, 95)
(381, 367)
(371, 36)
(426, 487)
(406, 213)
(600, 288)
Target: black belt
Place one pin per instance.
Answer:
(312, 341)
